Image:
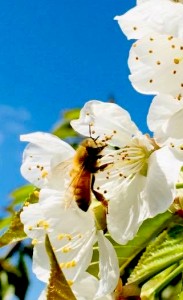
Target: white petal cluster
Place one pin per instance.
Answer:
(155, 60)
(85, 288)
(165, 119)
(142, 171)
(138, 174)
(72, 232)
(153, 16)
(156, 65)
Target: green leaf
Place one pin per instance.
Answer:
(6, 290)
(63, 129)
(21, 282)
(126, 253)
(5, 222)
(71, 114)
(151, 288)
(15, 232)
(148, 230)
(94, 265)
(20, 194)
(161, 253)
(58, 287)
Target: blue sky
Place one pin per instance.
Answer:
(55, 55)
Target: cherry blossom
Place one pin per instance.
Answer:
(165, 119)
(156, 64)
(153, 16)
(84, 288)
(72, 233)
(141, 183)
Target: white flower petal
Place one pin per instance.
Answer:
(127, 210)
(105, 120)
(161, 179)
(42, 296)
(85, 288)
(165, 118)
(156, 65)
(44, 152)
(164, 17)
(32, 218)
(71, 232)
(41, 263)
(108, 266)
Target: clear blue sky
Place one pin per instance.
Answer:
(55, 55)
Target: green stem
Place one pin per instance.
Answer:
(169, 278)
(179, 185)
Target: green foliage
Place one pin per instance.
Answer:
(181, 296)
(58, 287)
(161, 253)
(150, 288)
(15, 231)
(126, 253)
(20, 195)
(148, 230)
(13, 276)
(63, 129)
(149, 263)
(5, 222)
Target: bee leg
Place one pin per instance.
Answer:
(102, 168)
(98, 195)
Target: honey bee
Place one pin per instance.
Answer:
(85, 165)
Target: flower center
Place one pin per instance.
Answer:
(134, 157)
(177, 1)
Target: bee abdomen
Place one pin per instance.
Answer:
(82, 190)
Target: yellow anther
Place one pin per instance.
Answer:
(30, 227)
(44, 174)
(26, 203)
(70, 282)
(43, 224)
(34, 242)
(69, 264)
(66, 249)
(60, 236)
(176, 61)
(36, 194)
(68, 236)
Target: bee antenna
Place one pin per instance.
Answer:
(90, 133)
(96, 138)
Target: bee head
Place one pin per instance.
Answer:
(93, 146)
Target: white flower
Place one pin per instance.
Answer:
(156, 65)
(84, 288)
(142, 181)
(72, 233)
(41, 156)
(60, 167)
(165, 119)
(163, 17)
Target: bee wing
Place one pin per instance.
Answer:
(59, 176)
(80, 187)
